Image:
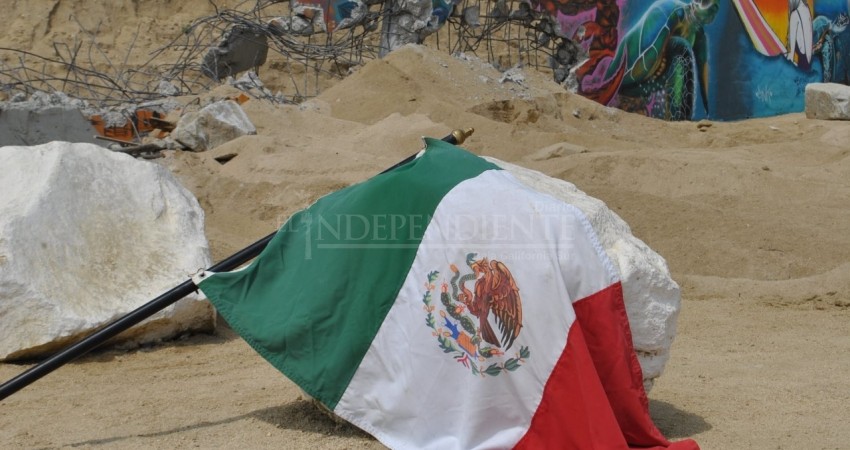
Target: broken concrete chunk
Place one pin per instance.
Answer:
(212, 126)
(651, 296)
(409, 24)
(472, 15)
(44, 118)
(514, 75)
(168, 88)
(354, 13)
(295, 24)
(87, 235)
(828, 101)
(241, 49)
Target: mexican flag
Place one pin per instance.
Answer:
(444, 305)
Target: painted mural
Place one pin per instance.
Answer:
(717, 59)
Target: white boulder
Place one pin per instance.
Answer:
(215, 124)
(651, 296)
(828, 101)
(87, 235)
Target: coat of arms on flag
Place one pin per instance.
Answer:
(464, 328)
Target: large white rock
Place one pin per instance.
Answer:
(828, 101)
(212, 126)
(87, 235)
(651, 296)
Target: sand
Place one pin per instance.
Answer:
(753, 218)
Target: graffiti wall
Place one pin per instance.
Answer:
(716, 59)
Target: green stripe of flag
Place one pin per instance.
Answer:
(312, 302)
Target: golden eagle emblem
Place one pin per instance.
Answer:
(466, 329)
(496, 292)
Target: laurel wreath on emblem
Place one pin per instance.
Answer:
(495, 292)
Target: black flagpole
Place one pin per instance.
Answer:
(150, 308)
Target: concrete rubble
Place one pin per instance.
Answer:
(44, 118)
(251, 84)
(242, 48)
(87, 235)
(513, 75)
(410, 23)
(830, 101)
(310, 17)
(138, 129)
(212, 126)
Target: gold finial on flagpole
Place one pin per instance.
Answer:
(461, 135)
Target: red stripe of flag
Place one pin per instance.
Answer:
(594, 398)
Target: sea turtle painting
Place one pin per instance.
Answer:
(833, 40)
(661, 59)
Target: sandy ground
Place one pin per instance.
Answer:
(753, 218)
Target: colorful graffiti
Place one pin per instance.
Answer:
(660, 61)
(808, 36)
(785, 46)
(771, 24)
(833, 47)
(693, 59)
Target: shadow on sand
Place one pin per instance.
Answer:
(304, 415)
(675, 423)
(301, 415)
